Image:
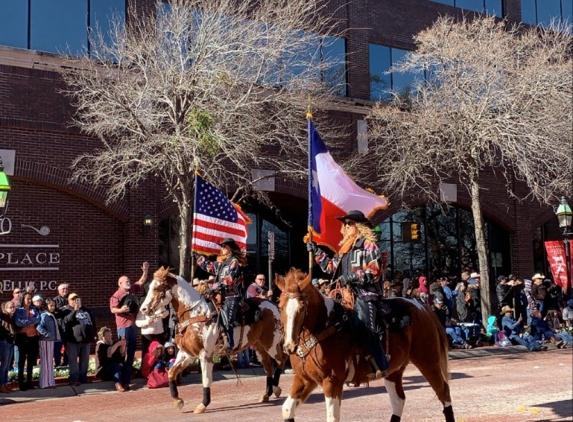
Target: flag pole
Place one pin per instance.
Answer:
(192, 272)
(310, 210)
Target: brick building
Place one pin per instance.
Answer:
(64, 232)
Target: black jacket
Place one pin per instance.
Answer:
(79, 325)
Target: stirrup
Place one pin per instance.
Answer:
(376, 373)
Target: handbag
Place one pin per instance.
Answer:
(158, 378)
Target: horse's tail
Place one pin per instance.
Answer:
(444, 345)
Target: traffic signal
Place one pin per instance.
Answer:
(415, 231)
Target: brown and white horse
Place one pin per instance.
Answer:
(318, 336)
(198, 334)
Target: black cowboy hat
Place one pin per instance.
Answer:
(354, 215)
(229, 242)
(132, 302)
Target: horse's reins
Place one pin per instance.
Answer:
(305, 346)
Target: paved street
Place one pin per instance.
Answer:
(486, 386)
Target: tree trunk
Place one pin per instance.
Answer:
(186, 213)
(481, 248)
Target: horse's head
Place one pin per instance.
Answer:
(159, 293)
(293, 305)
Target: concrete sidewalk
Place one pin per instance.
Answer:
(107, 387)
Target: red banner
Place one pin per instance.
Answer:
(557, 261)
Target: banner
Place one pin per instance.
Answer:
(557, 261)
(332, 194)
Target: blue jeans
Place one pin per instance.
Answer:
(457, 335)
(527, 341)
(6, 353)
(565, 336)
(243, 358)
(130, 334)
(115, 372)
(78, 370)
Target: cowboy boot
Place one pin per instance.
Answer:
(376, 373)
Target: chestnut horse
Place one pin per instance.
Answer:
(318, 335)
(198, 334)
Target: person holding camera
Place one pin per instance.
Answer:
(80, 329)
(258, 288)
(110, 360)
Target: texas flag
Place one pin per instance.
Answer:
(332, 194)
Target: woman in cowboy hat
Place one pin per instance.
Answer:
(228, 282)
(357, 265)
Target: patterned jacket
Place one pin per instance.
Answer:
(227, 273)
(363, 259)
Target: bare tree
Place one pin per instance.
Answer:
(497, 98)
(216, 86)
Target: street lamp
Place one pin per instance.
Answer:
(565, 217)
(4, 190)
(147, 223)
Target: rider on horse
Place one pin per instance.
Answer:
(228, 282)
(357, 265)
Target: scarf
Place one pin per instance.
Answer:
(346, 246)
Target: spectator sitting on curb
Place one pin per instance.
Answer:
(110, 359)
(512, 329)
(540, 330)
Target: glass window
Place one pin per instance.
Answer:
(102, 13)
(548, 10)
(380, 81)
(402, 83)
(542, 12)
(334, 51)
(473, 5)
(59, 26)
(491, 7)
(14, 23)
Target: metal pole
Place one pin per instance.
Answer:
(568, 263)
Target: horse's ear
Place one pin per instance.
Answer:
(279, 282)
(303, 284)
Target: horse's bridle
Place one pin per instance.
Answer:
(305, 346)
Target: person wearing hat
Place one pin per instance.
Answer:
(396, 287)
(124, 305)
(228, 282)
(514, 331)
(455, 332)
(357, 265)
(80, 327)
(474, 278)
(539, 292)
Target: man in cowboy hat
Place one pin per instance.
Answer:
(539, 292)
(357, 265)
(514, 331)
(228, 281)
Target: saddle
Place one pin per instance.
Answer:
(395, 315)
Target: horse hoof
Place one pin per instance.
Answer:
(277, 391)
(264, 399)
(179, 404)
(200, 408)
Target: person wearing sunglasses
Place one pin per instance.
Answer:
(357, 265)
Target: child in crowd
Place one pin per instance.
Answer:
(153, 359)
(169, 355)
(49, 333)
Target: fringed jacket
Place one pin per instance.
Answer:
(228, 274)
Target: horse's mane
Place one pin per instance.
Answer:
(295, 280)
(185, 291)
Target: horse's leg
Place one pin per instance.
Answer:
(181, 361)
(207, 377)
(276, 379)
(332, 388)
(267, 363)
(299, 392)
(436, 373)
(395, 388)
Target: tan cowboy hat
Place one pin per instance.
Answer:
(506, 309)
(475, 275)
(538, 275)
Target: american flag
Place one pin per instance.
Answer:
(216, 218)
